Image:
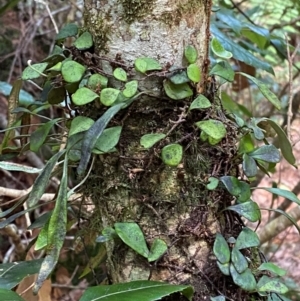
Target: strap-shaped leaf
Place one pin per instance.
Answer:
(135, 290)
(41, 181)
(18, 167)
(56, 230)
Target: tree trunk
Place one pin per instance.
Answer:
(134, 185)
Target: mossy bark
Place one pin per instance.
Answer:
(171, 203)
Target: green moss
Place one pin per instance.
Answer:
(183, 9)
(136, 9)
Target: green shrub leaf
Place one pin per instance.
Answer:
(34, 71)
(190, 53)
(239, 261)
(249, 210)
(244, 280)
(72, 72)
(249, 166)
(224, 268)
(224, 70)
(80, 124)
(158, 248)
(130, 88)
(83, 96)
(267, 153)
(177, 91)
(69, 30)
(85, 41)
(108, 96)
(145, 64)
(267, 284)
(273, 268)
(213, 183)
(97, 81)
(108, 139)
(194, 73)
(120, 74)
(219, 50)
(9, 295)
(213, 128)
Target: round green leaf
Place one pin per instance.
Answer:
(247, 239)
(97, 81)
(190, 54)
(219, 50)
(213, 128)
(130, 88)
(244, 280)
(34, 71)
(239, 261)
(140, 65)
(179, 78)
(120, 74)
(172, 154)
(132, 235)
(267, 153)
(72, 71)
(200, 102)
(85, 41)
(108, 96)
(224, 70)
(56, 95)
(83, 96)
(149, 140)
(221, 249)
(108, 139)
(177, 91)
(158, 248)
(69, 30)
(80, 124)
(56, 67)
(145, 64)
(213, 183)
(194, 73)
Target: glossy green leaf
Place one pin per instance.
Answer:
(249, 166)
(256, 34)
(282, 192)
(179, 78)
(56, 67)
(213, 128)
(42, 180)
(69, 30)
(8, 295)
(247, 239)
(264, 90)
(190, 53)
(83, 96)
(157, 250)
(237, 188)
(56, 95)
(39, 136)
(224, 268)
(84, 42)
(108, 96)
(244, 280)
(13, 273)
(56, 231)
(172, 154)
(149, 140)
(219, 50)
(135, 290)
(238, 260)
(257, 131)
(80, 124)
(18, 167)
(200, 102)
(224, 70)
(194, 73)
(132, 235)
(92, 135)
(284, 143)
(108, 139)
(97, 81)
(177, 91)
(221, 249)
(227, 16)
(229, 105)
(130, 88)
(72, 72)
(34, 71)
(267, 153)
(145, 64)
(273, 268)
(213, 183)
(120, 74)
(267, 284)
(238, 51)
(249, 210)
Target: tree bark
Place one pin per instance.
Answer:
(134, 185)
